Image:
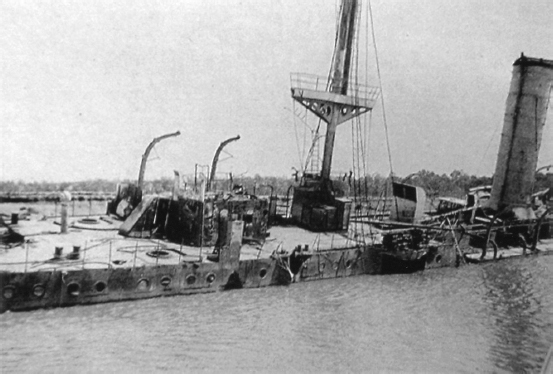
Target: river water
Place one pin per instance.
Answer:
(478, 318)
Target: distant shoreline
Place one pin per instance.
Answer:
(29, 197)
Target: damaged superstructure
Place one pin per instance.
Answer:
(510, 204)
(509, 216)
(335, 100)
(525, 116)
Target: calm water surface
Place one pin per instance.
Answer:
(491, 318)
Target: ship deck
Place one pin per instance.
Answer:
(100, 246)
(544, 246)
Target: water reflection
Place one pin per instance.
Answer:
(514, 297)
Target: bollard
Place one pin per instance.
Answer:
(15, 218)
(76, 254)
(58, 252)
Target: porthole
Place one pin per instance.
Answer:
(8, 292)
(349, 263)
(438, 259)
(73, 289)
(143, 285)
(191, 279)
(165, 281)
(210, 278)
(39, 290)
(100, 286)
(262, 273)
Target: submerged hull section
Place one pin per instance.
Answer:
(78, 284)
(25, 291)
(105, 267)
(51, 289)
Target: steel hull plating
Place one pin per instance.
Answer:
(50, 289)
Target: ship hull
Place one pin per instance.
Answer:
(55, 288)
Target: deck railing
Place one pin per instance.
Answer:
(321, 83)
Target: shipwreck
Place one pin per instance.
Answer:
(216, 236)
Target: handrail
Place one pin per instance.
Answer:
(308, 81)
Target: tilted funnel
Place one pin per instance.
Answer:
(525, 115)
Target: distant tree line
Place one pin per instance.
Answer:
(456, 184)
(93, 185)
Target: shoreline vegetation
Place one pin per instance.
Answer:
(456, 184)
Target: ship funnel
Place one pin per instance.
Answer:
(525, 115)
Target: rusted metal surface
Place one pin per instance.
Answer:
(114, 268)
(110, 267)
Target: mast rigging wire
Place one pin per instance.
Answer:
(381, 90)
(382, 98)
(300, 154)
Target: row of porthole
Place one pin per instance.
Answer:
(349, 264)
(74, 289)
(144, 284)
(39, 290)
(9, 291)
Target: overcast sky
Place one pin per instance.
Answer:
(86, 85)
